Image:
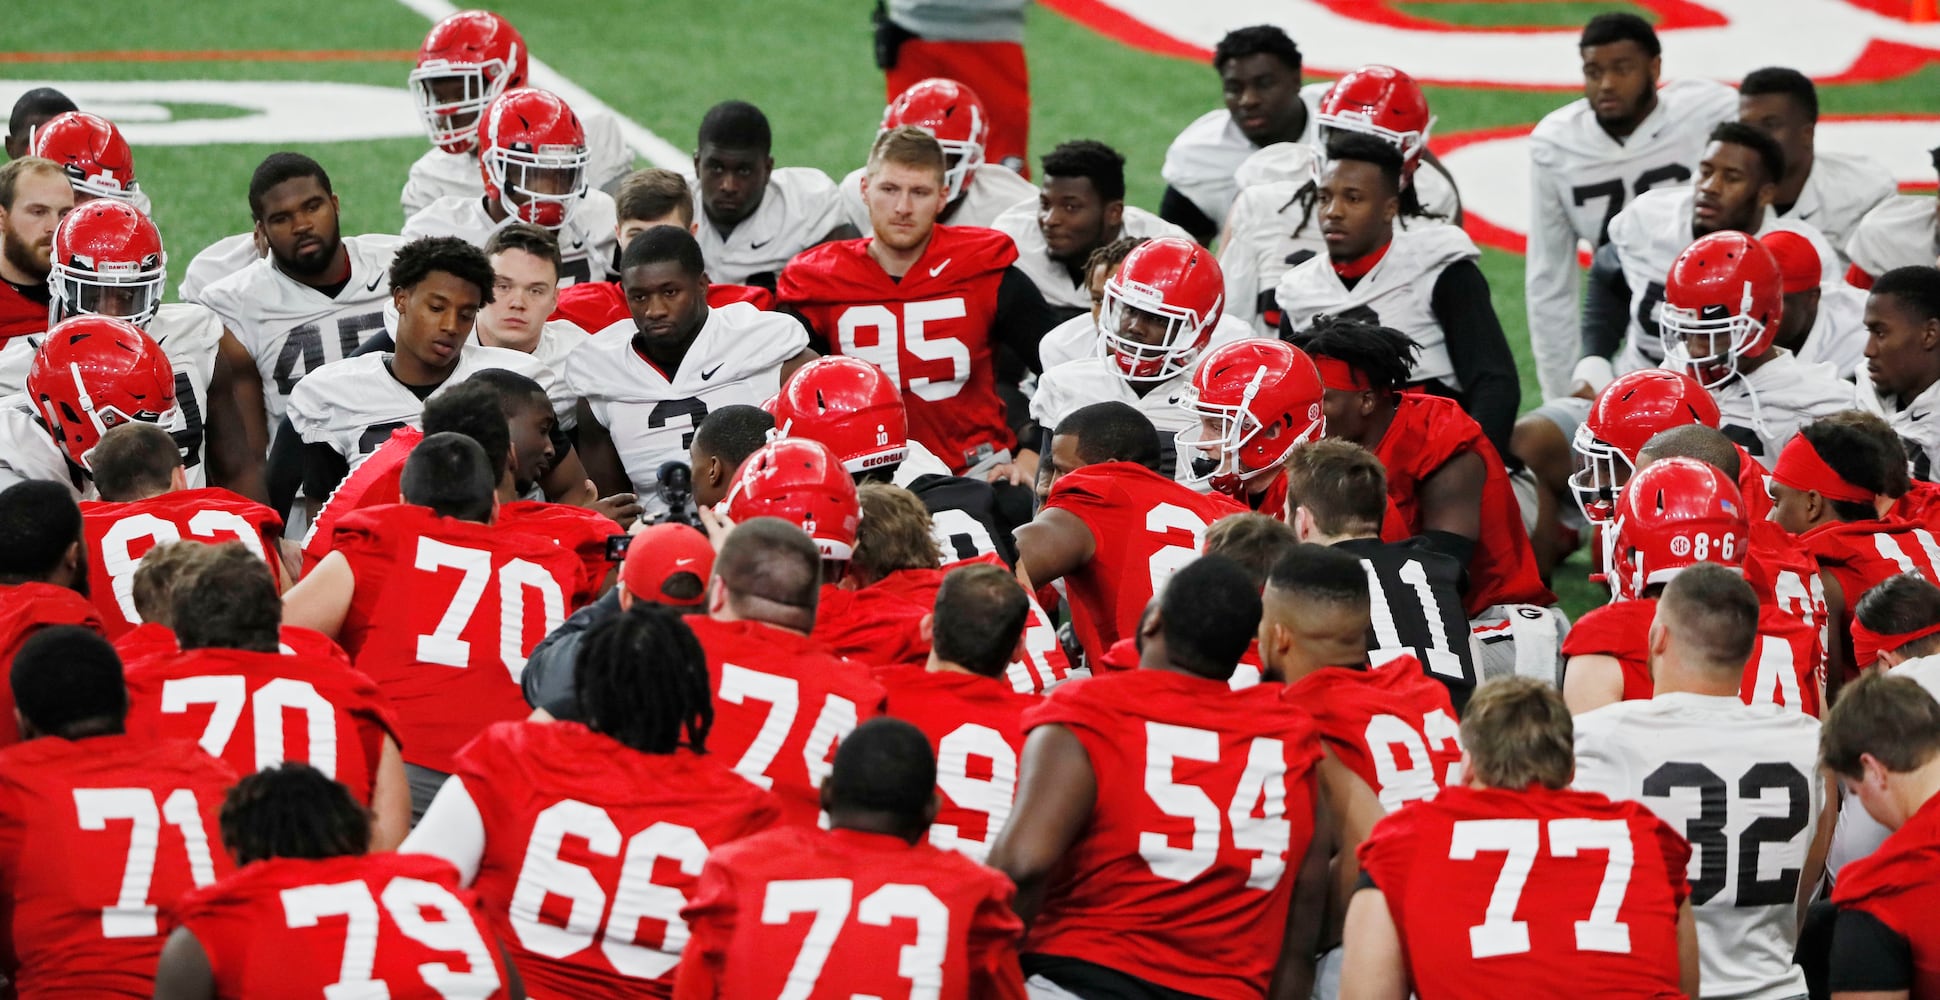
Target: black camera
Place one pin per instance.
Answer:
(677, 491)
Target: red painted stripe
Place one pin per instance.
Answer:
(210, 55)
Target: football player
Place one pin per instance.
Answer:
(447, 664)
(1696, 754)
(1162, 308)
(308, 858)
(849, 884)
(1830, 190)
(1112, 528)
(34, 196)
(1434, 872)
(1823, 321)
(31, 110)
(465, 62)
(1897, 629)
(1259, 72)
(43, 573)
(1422, 282)
(97, 160)
(977, 43)
(874, 612)
(781, 700)
(315, 296)
(92, 373)
(757, 218)
(101, 832)
(855, 409)
(646, 383)
(1080, 207)
(1588, 158)
(532, 155)
(525, 291)
(228, 619)
(722, 441)
(1902, 231)
(931, 305)
(1338, 494)
(1673, 514)
(963, 703)
(635, 783)
(1256, 401)
(1077, 337)
(1903, 361)
(145, 501)
(951, 112)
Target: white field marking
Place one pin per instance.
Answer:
(279, 111)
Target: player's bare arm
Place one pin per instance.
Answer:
(596, 452)
(801, 358)
(1054, 545)
(236, 425)
(1451, 498)
(1374, 966)
(390, 800)
(322, 599)
(1056, 789)
(1591, 681)
(184, 972)
(1293, 978)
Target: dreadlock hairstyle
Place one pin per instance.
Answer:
(1368, 149)
(1385, 356)
(641, 678)
(292, 811)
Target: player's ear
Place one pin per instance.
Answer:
(927, 630)
(1114, 213)
(1303, 524)
(716, 595)
(178, 480)
(27, 730)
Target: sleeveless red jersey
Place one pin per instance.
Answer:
(1144, 528)
(931, 330)
(374, 481)
(1862, 554)
(1895, 886)
(975, 726)
(1204, 811)
(1427, 432)
(595, 305)
(444, 614)
(1784, 667)
(581, 531)
(305, 927)
(823, 914)
(27, 608)
(256, 710)
(782, 702)
(1392, 725)
(99, 837)
(1536, 893)
(120, 534)
(1785, 575)
(592, 848)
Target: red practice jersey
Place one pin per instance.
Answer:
(1604, 881)
(1392, 725)
(1785, 575)
(975, 726)
(879, 624)
(1921, 503)
(782, 702)
(931, 331)
(25, 609)
(444, 615)
(120, 534)
(373, 482)
(592, 848)
(1862, 554)
(1144, 528)
(149, 641)
(1784, 668)
(1429, 431)
(801, 912)
(582, 531)
(20, 315)
(1895, 886)
(1204, 812)
(256, 710)
(98, 839)
(595, 305)
(395, 925)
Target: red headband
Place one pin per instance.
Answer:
(1340, 376)
(1868, 644)
(1800, 467)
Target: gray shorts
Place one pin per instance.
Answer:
(1519, 640)
(1567, 413)
(424, 784)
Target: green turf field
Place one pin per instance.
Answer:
(808, 64)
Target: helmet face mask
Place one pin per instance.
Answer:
(1255, 400)
(1383, 102)
(466, 62)
(1159, 310)
(93, 374)
(1708, 349)
(106, 260)
(1723, 301)
(532, 152)
(1601, 471)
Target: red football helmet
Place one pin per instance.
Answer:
(93, 373)
(1629, 412)
(466, 61)
(1726, 293)
(1383, 102)
(91, 151)
(1255, 400)
(1676, 513)
(802, 482)
(951, 112)
(107, 261)
(532, 151)
(1168, 289)
(849, 405)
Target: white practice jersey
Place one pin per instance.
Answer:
(1070, 340)
(736, 359)
(1202, 161)
(1839, 191)
(28, 450)
(1917, 424)
(1648, 236)
(353, 405)
(800, 206)
(217, 261)
(292, 329)
(1762, 411)
(1858, 834)
(586, 241)
(1399, 292)
(438, 174)
(1742, 783)
(992, 189)
(1902, 231)
(1838, 334)
(1052, 278)
(1579, 179)
(1074, 384)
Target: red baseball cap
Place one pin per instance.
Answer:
(659, 557)
(1798, 259)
